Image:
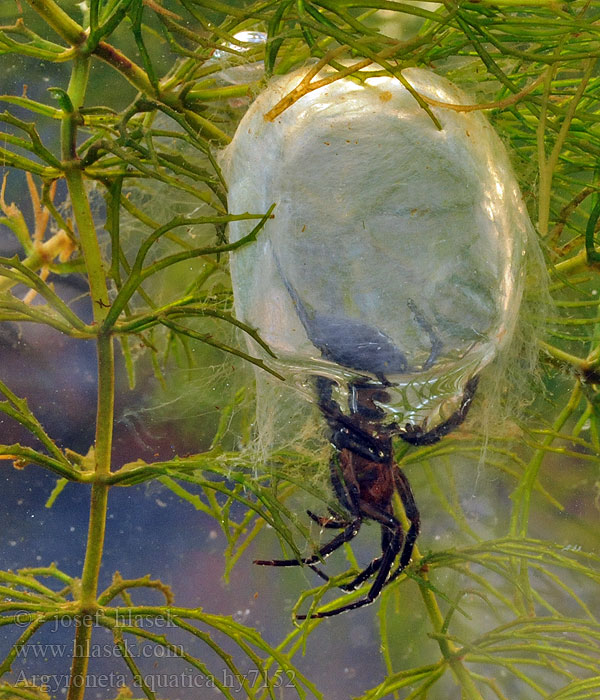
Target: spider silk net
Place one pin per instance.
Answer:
(390, 236)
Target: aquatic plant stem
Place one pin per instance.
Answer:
(97, 522)
(96, 274)
(547, 166)
(59, 20)
(448, 648)
(521, 495)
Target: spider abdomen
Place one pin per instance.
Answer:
(356, 345)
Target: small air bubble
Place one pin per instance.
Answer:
(241, 615)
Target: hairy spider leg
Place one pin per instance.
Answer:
(328, 521)
(346, 489)
(360, 509)
(393, 543)
(348, 497)
(347, 492)
(392, 537)
(391, 530)
(386, 541)
(412, 514)
(434, 339)
(415, 435)
(350, 531)
(382, 565)
(368, 571)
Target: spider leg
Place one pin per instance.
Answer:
(436, 343)
(331, 521)
(412, 513)
(347, 492)
(350, 531)
(415, 435)
(349, 437)
(390, 527)
(331, 524)
(392, 539)
(369, 570)
(393, 542)
(348, 497)
(383, 565)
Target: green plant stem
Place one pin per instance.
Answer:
(221, 93)
(564, 357)
(448, 649)
(519, 521)
(105, 399)
(572, 265)
(548, 165)
(97, 522)
(89, 245)
(129, 70)
(99, 495)
(522, 493)
(60, 21)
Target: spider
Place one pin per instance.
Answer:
(363, 472)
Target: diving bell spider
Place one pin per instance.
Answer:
(365, 476)
(363, 472)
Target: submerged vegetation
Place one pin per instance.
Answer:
(127, 194)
